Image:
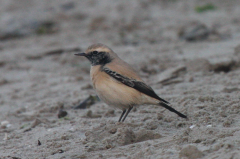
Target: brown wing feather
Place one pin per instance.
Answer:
(138, 85)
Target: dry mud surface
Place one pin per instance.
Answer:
(199, 73)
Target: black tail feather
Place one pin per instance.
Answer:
(172, 110)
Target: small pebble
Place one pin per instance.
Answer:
(39, 143)
(4, 123)
(192, 126)
(62, 113)
(5, 137)
(209, 126)
(35, 123)
(190, 152)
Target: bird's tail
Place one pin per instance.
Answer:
(172, 109)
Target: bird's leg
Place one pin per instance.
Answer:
(124, 111)
(129, 109)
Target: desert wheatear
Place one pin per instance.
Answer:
(117, 84)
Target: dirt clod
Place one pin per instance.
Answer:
(191, 152)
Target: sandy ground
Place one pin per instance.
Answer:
(39, 74)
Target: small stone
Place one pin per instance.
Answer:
(152, 125)
(3, 82)
(35, 123)
(88, 86)
(62, 113)
(5, 137)
(223, 66)
(125, 136)
(159, 116)
(113, 130)
(108, 146)
(110, 113)
(143, 111)
(191, 79)
(39, 143)
(71, 129)
(169, 74)
(194, 31)
(4, 124)
(192, 126)
(209, 126)
(65, 137)
(191, 152)
(60, 151)
(90, 114)
(87, 102)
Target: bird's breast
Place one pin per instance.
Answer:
(112, 91)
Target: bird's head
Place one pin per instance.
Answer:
(98, 54)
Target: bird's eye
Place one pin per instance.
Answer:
(95, 52)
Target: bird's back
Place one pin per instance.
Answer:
(123, 68)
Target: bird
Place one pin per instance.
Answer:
(118, 84)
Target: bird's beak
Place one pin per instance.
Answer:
(80, 54)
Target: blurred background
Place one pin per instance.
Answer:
(187, 50)
(119, 23)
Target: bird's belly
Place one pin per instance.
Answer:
(117, 94)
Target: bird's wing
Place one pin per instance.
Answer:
(138, 85)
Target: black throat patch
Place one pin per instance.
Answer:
(99, 58)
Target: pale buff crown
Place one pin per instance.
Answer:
(100, 48)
